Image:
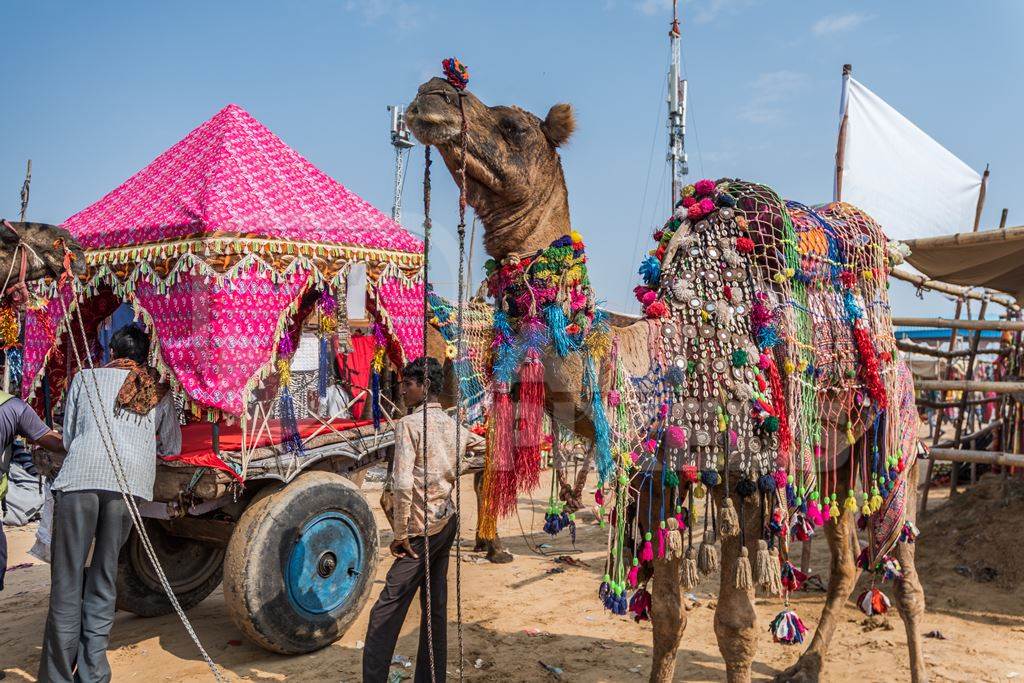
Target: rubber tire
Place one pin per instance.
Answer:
(258, 554)
(138, 589)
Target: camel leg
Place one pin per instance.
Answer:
(496, 553)
(909, 594)
(842, 577)
(735, 617)
(668, 618)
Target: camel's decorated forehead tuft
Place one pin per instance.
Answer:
(456, 73)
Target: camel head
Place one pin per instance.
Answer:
(514, 178)
(45, 251)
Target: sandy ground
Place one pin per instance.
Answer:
(536, 610)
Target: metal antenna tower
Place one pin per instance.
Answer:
(401, 140)
(676, 111)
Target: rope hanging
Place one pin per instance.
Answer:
(426, 391)
(459, 402)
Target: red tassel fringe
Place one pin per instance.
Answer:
(503, 490)
(529, 424)
(779, 407)
(869, 373)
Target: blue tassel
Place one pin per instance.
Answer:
(767, 338)
(853, 311)
(508, 356)
(324, 368)
(602, 432)
(557, 322)
(375, 400)
(650, 270)
(289, 424)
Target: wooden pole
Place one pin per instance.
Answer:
(841, 142)
(939, 417)
(977, 294)
(984, 237)
(969, 385)
(946, 323)
(984, 457)
(962, 408)
(981, 199)
(25, 187)
(925, 350)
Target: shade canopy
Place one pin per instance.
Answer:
(221, 244)
(991, 258)
(232, 176)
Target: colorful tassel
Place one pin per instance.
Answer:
(690, 576)
(530, 422)
(774, 585)
(744, 578)
(792, 578)
(873, 601)
(787, 628)
(762, 566)
(728, 520)
(634, 574)
(504, 488)
(647, 551)
(674, 539)
(640, 605)
(707, 555)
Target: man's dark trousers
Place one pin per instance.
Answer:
(82, 601)
(404, 578)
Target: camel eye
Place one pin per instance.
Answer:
(511, 128)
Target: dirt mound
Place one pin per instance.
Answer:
(977, 537)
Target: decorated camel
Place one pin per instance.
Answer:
(762, 388)
(33, 251)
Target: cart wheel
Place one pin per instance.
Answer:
(300, 564)
(193, 569)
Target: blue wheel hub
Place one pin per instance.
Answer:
(325, 563)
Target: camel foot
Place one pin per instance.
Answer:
(499, 556)
(806, 670)
(495, 553)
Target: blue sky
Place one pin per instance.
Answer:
(94, 91)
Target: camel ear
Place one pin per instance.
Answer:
(559, 124)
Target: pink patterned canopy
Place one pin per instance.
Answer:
(232, 175)
(218, 240)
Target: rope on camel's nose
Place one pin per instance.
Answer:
(458, 75)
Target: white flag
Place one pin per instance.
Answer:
(905, 180)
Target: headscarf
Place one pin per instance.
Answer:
(142, 389)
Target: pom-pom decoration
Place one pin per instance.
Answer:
(873, 601)
(787, 628)
(456, 73)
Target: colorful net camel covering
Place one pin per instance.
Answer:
(773, 354)
(772, 361)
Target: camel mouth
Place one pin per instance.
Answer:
(431, 116)
(431, 128)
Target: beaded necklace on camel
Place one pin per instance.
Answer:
(544, 312)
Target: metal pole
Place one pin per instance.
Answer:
(844, 112)
(981, 199)
(676, 112)
(1002, 218)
